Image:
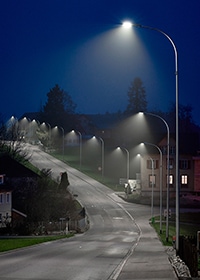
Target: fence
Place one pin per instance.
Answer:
(188, 253)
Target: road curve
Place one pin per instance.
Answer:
(98, 254)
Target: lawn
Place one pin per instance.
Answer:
(189, 225)
(7, 244)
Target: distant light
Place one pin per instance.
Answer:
(127, 24)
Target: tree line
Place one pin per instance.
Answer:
(60, 109)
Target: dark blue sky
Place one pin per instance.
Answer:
(81, 46)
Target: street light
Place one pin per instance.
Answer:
(152, 188)
(63, 133)
(80, 145)
(128, 25)
(25, 127)
(49, 128)
(127, 162)
(13, 127)
(102, 154)
(161, 160)
(167, 203)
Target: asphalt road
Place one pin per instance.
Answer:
(97, 254)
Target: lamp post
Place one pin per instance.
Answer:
(167, 203)
(49, 129)
(128, 25)
(80, 145)
(14, 128)
(127, 162)
(34, 125)
(102, 154)
(63, 138)
(152, 188)
(25, 124)
(161, 160)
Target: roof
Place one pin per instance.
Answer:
(12, 168)
(19, 213)
(5, 188)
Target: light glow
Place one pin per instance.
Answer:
(127, 24)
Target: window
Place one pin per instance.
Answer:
(184, 164)
(184, 180)
(171, 181)
(149, 164)
(152, 180)
(7, 197)
(172, 150)
(171, 163)
(164, 150)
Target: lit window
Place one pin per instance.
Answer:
(171, 179)
(184, 179)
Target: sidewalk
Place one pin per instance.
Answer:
(149, 259)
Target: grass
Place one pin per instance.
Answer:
(7, 244)
(189, 225)
(89, 170)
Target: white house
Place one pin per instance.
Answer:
(5, 203)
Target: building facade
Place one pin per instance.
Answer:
(5, 203)
(154, 172)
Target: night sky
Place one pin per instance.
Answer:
(81, 46)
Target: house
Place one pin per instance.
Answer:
(16, 178)
(196, 160)
(18, 218)
(5, 203)
(152, 169)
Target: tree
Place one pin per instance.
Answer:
(58, 108)
(64, 183)
(186, 122)
(44, 202)
(136, 98)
